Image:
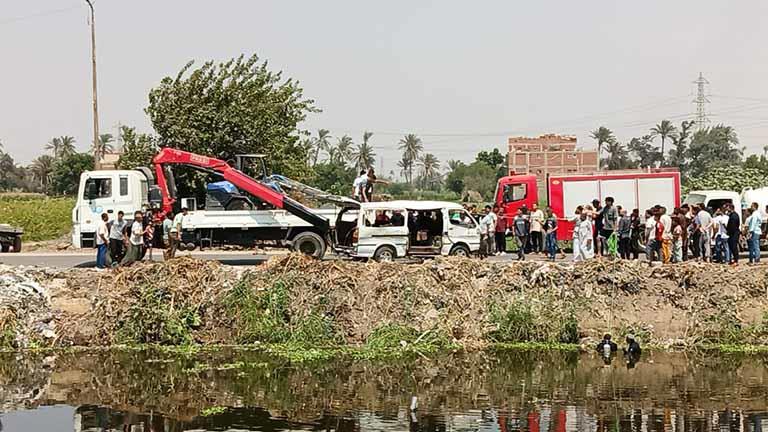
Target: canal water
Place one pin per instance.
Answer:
(501, 391)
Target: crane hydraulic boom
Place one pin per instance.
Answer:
(168, 156)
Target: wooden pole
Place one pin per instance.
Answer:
(96, 147)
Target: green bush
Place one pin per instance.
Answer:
(265, 316)
(155, 319)
(396, 337)
(515, 323)
(42, 218)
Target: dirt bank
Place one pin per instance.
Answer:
(440, 303)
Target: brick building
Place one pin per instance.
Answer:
(549, 154)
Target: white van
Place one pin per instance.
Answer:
(388, 230)
(713, 199)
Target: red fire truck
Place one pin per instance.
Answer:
(630, 190)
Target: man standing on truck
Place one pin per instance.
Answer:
(116, 246)
(102, 240)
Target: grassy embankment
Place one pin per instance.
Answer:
(42, 218)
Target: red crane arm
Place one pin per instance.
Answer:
(170, 156)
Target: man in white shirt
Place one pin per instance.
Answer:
(703, 221)
(102, 240)
(722, 251)
(135, 240)
(537, 221)
(358, 186)
(488, 232)
(174, 235)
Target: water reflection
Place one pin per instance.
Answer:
(542, 419)
(504, 391)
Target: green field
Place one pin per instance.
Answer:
(41, 217)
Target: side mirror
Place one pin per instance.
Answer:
(90, 191)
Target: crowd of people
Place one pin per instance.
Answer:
(608, 230)
(121, 242)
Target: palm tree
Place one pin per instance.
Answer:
(665, 130)
(61, 146)
(603, 135)
(404, 165)
(342, 153)
(321, 143)
(412, 147)
(364, 157)
(41, 168)
(103, 146)
(430, 168)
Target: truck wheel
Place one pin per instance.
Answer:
(190, 246)
(385, 254)
(17, 244)
(309, 243)
(460, 250)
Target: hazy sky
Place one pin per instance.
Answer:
(463, 75)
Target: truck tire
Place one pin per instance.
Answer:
(385, 254)
(460, 250)
(17, 245)
(309, 243)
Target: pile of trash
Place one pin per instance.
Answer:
(191, 301)
(25, 313)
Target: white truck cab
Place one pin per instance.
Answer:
(714, 199)
(106, 192)
(388, 230)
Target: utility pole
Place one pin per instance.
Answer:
(701, 102)
(96, 151)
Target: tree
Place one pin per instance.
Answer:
(454, 180)
(618, 156)
(103, 145)
(334, 178)
(320, 144)
(430, 170)
(494, 159)
(765, 150)
(364, 157)
(404, 164)
(733, 178)
(65, 177)
(411, 147)
(342, 153)
(138, 149)
(711, 148)
(680, 146)
(602, 135)
(481, 178)
(61, 146)
(646, 154)
(41, 170)
(236, 107)
(759, 163)
(665, 130)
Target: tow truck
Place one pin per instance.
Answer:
(227, 217)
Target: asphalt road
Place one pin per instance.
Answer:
(85, 260)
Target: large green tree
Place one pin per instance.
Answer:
(411, 147)
(138, 149)
(712, 147)
(665, 130)
(680, 146)
(646, 155)
(65, 177)
(320, 144)
(343, 152)
(618, 156)
(236, 107)
(41, 169)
